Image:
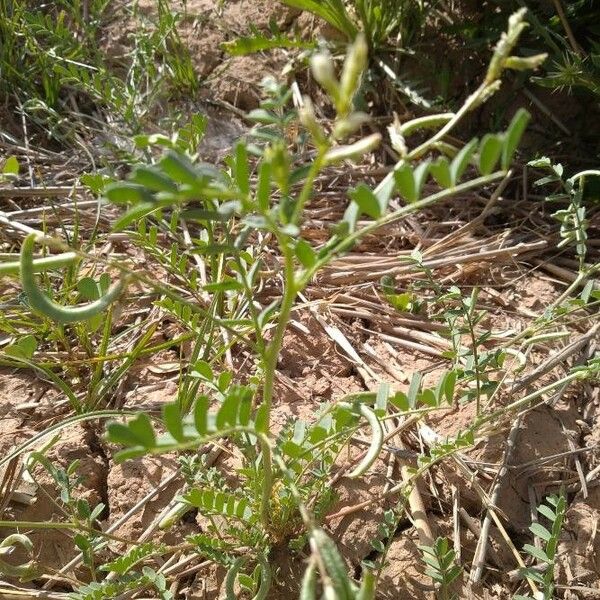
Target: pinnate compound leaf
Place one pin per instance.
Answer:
(217, 502)
(123, 564)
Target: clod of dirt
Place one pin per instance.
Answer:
(580, 547)
(403, 577)
(355, 532)
(222, 131)
(130, 482)
(207, 584)
(238, 80)
(203, 27)
(312, 361)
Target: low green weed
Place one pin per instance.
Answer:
(441, 567)
(378, 21)
(554, 511)
(573, 220)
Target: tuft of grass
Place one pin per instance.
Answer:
(380, 21)
(53, 70)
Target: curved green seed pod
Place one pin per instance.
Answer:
(40, 264)
(7, 545)
(376, 442)
(16, 538)
(231, 576)
(176, 512)
(322, 544)
(39, 301)
(265, 579)
(308, 589)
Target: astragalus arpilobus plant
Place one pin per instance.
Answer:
(234, 218)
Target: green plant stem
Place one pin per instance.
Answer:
(582, 276)
(526, 400)
(307, 188)
(40, 264)
(472, 102)
(271, 354)
(475, 349)
(7, 361)
(270, 361)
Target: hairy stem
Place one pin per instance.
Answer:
(40, 264)
(291, 289)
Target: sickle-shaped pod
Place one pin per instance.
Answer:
(39, 301)
(337, 583)
(7, 546)
(376, 440)
(265, 578)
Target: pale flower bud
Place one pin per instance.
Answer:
(354, 66)
(396, 137)
(506, 44)
(329, 592)
(345, 127)
(323, 71)
(525, 63)
(307, 117)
